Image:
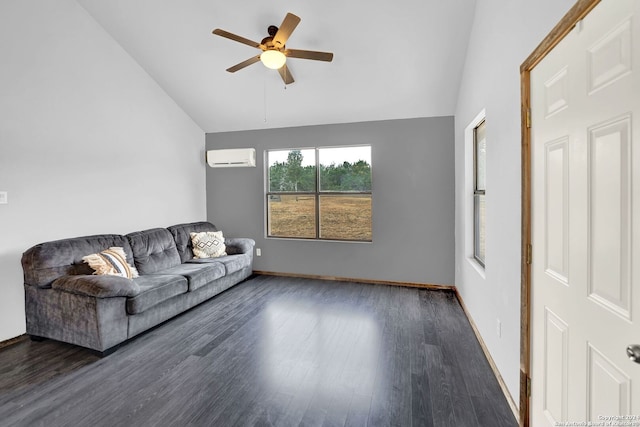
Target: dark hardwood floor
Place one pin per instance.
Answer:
(272, 351)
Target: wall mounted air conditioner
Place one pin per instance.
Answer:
(232, 158)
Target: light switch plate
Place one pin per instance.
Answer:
(4, 197)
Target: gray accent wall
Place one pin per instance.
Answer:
(413, 201)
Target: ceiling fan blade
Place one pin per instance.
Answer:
(244, 64)
(309, 54)
(234, 37)
(289, 24)
(287, 78)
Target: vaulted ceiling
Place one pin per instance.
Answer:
(392, 59)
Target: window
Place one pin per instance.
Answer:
(319, 193)
(479, 190)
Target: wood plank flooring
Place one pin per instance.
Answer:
(272, 351)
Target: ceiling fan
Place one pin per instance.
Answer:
(274, 52)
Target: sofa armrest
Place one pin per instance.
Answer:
(239, 245)
(97, 286)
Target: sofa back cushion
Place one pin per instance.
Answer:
(45, 262)
(153, 250)
(182, 235)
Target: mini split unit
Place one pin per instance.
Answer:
(232, 158)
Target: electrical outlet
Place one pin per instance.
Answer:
(499, 328)
(4, 197)
(258, 252)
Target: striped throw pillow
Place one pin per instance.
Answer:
(112, 261)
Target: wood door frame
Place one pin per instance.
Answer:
(579, 10)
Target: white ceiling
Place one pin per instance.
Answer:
(392, 59)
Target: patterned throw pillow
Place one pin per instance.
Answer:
(112, 262)
(208, 244)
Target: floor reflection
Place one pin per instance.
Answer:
(319, 348)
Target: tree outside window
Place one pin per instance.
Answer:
(320, 193)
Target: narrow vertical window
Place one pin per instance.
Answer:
(479, 192)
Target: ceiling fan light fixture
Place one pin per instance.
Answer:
(273, 59)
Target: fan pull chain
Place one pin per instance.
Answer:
(264, 85)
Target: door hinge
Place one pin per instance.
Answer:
(528, 387)
(528, 118)
(529, 253)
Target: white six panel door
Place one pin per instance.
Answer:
(585, 106)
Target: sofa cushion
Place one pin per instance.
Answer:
(101, 286)
(153, 250)
(154, 289)
(232, 263)
(182, 236)
(198, 275)
(45, 262)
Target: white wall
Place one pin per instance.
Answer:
(89, 143)
(504, 33)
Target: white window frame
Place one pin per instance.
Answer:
(469, 177)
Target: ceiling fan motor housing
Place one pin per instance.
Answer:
(267, 42)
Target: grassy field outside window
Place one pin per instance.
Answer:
(320, 193)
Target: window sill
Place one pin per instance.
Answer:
(296, 239)
(478, 267)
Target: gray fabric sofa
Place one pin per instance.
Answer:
(64, 301)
